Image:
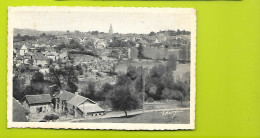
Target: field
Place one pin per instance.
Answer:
(168, 117)
(122, 66)
(167, 112)
(182, 72)
(154, 53)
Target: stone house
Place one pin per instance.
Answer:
(37, 103)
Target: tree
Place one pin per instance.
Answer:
(30, 90)
(43, 35)
(140, 54)
(123, 99)
(107, 87)
(18, 93)
(30, 61)
(152, 34)
(103, 94)
(171, 63)
(71, 74)
(132, 72)
(90, 91)
(37, 77)
(72, 87)
(123, 80)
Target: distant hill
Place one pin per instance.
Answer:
(26, 32)
(35, 32)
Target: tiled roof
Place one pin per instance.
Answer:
(90, 108)
(65, 96)
(77, 100)
(35, 99)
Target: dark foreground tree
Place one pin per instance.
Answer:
(171, 63)
(123, 99)
(17, 88)
(37, 77)
(140, 54)
(72, 87)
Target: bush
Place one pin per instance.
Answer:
(184, 104)
(150, 100)
(51, 117)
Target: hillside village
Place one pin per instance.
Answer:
(67, 75)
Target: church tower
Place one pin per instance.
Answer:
(110, 29)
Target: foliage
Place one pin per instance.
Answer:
(37, 77)
(139, 84)
(123, 80)
(51, 117)
(171, 63)
(43, 35)
(114, 54)
(30, 61)
(160, 84)
(72, 87)
(150, 99)
(123, 99)
(18, 93)
(90, 91)
(132, 72)
(19, 38)
(30, 90)
(71, 74)
(140, 54)
(152, 33)
(184, 54)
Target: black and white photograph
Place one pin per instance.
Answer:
(120, 68)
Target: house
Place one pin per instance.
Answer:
(61, 101)
(88, 109)
(52, 56)
(23, 50)
(104, 55)
(77, 105)
(100, 43)
(41, 61)
(37, 103)
(64, 55)
(19, 112)
(44, 71)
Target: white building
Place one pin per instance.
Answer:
(23, 50)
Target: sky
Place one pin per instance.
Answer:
(84, 21)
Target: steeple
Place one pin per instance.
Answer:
(110, 29)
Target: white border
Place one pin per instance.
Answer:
(102, 126)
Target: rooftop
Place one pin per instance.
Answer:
(90, 108)
(65, 96)
(36, 99)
